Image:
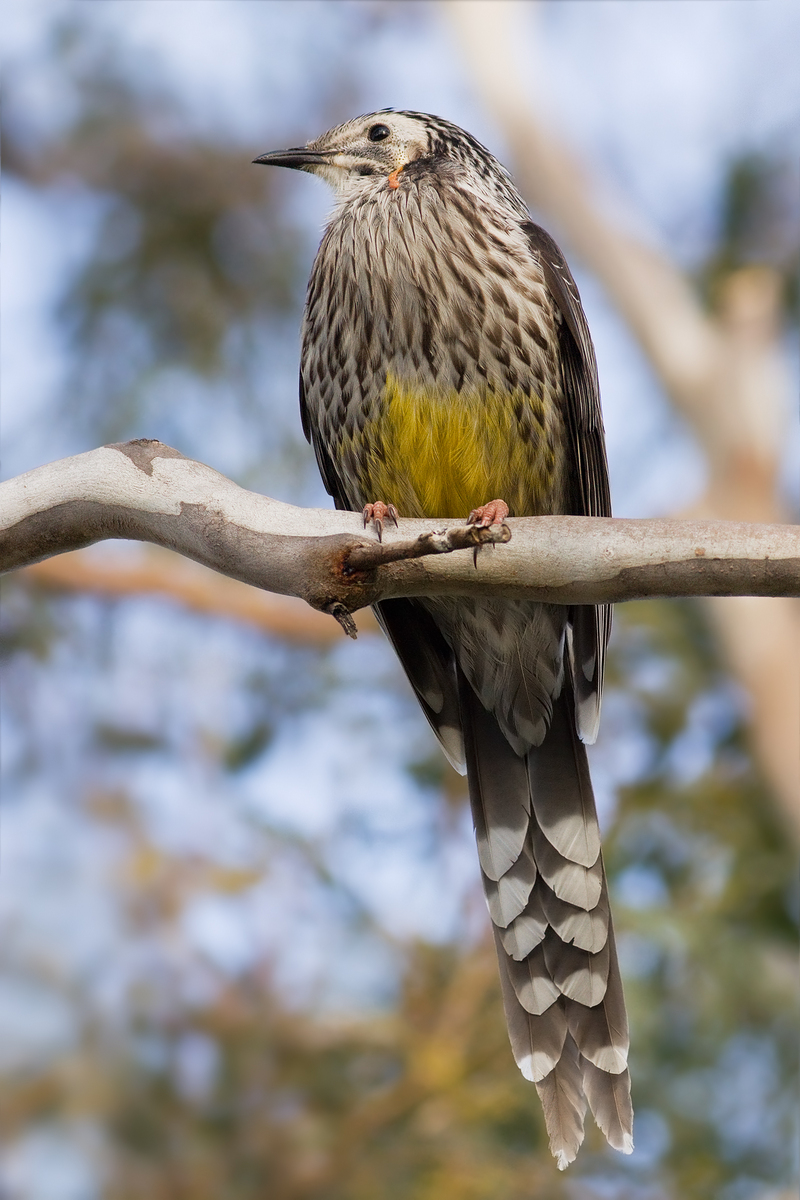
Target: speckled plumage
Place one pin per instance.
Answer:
(398, 290)
(446, 362)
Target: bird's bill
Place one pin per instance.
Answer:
(299, 157)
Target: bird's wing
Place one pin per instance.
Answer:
(590, 625)
(324, 461)
(430, 666)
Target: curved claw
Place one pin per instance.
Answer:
(377, 513)
(493, 513)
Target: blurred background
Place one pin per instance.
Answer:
(243, 950)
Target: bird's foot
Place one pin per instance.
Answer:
(493, 513)
(378, 513)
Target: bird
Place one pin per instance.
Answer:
(447, 370)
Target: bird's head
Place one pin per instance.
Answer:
(376, 148)
(367, 149)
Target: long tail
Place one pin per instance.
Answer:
(545, 884)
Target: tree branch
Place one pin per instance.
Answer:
(149, 492)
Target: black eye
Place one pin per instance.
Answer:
(379, 132)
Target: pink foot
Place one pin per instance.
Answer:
(377, 513)
(493, 513)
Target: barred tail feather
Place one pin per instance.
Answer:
(564, 1103)
(537, 1042)
(609, 1098)
(601, 1033)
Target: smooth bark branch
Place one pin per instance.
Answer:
(149, 492)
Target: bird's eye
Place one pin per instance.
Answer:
(379, 133)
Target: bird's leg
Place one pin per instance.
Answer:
(492, 513)
(377, 513)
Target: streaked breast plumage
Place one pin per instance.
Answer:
(418, 379)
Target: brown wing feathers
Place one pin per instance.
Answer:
(589, 475)
(429, 664)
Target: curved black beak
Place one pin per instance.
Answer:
(297, 158)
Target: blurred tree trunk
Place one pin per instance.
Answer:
(724, 374)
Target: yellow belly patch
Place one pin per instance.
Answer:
(436, 453)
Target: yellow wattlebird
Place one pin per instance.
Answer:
(447, 370)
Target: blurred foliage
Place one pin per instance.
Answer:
(709, 932)
(758, 227)
(238, 1093)
(192, 260)
(224, 1087)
